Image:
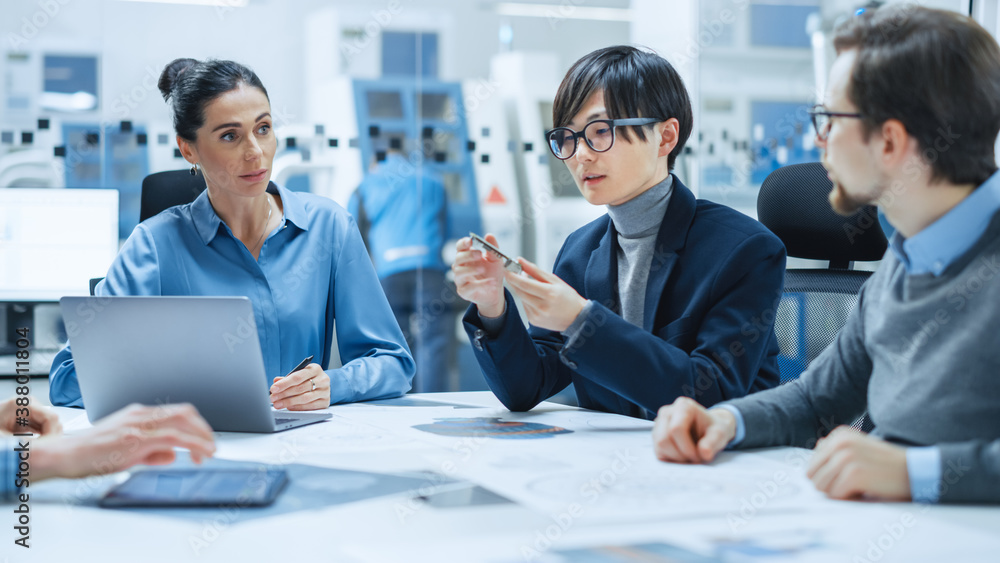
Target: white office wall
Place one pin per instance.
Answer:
(136, 39)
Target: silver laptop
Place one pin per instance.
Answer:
(160, 350)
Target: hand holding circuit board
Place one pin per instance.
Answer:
(509, 264)
(548, 301)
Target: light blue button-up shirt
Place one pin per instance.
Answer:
(931, 251)
(942, 242)
(311, 270)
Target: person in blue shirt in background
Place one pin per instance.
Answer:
(298, 257)
(402, 211)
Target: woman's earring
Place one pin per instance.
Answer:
(194, 169)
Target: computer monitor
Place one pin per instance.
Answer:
(52, 241)
(70, 83)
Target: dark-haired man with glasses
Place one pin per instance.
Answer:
(911, 124)
(666, 296)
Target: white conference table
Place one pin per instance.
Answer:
(593, 494)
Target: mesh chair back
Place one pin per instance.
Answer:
(815, 305)
(793, 204)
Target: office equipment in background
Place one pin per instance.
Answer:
(52, 241)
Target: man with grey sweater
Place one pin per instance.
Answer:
(912, 117)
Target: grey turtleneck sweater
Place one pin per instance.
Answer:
(637, 222)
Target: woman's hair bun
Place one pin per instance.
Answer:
(171, 74)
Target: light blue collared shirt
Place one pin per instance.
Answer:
(311, 270)
(936, 247)
(931, 251)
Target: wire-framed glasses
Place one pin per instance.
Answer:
(822, 119)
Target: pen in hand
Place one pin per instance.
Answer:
(301, 365)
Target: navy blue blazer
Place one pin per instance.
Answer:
(714, 286)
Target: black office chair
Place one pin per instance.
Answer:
(793, 204)
(167, 189)
(161, 191)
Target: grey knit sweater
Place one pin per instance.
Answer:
(921, 354)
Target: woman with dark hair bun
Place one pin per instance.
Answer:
(297, 256)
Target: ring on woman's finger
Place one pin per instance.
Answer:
(313, 384)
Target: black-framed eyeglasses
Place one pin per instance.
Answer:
(822, 119)
(599, 134)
